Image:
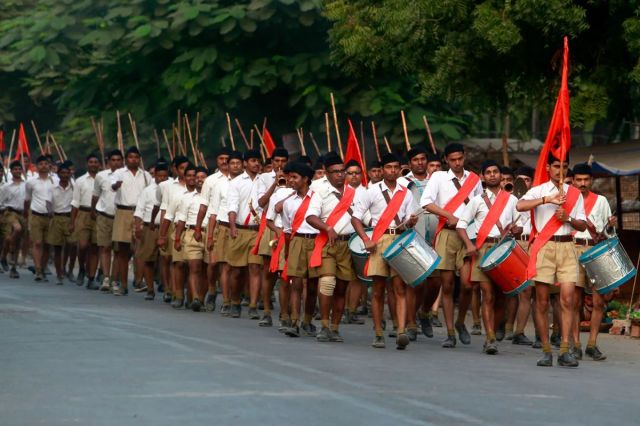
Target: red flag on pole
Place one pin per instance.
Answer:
(23, 145)
(2, 146)
(558, 141)
(269, 144)
(353, 152)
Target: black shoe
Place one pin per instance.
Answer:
(59, 281)
(576, 352)
(500, 332)
(427, 327)
(546, 360)
(555, 339)
(196, 305)
(261, 306)
(5, 265)
(253, 314)
(537, 344)
(449, 342)
(521, 339)
(166, 297)
(14, 273)
(378, 342)
(187, 304)
(32, 269)
(336, 337)
(594, 353)
(324, 335)
(80, 279)
(435, 321)
(92, 285)
(402, 341)
(225, 310)
(235, 311)
(244, 302)
(355, 319)
(38, 277)
(177, 304)
(284, 325)
(393, 332)
(150, 296)
(309, 329)
(567, 360)
(292, 331)
(463, 334)
(490, 348)
(160, 288)
(210, 302)
(413, 334)
(139, 288)
(361, 310)
(266, 321)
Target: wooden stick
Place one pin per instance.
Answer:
(178, 142)
(264, 124)
(204, 163)
(57, 148)
(166, 141)
(100, 146)
(47, 145)
(375, 140)
(315, 144)
(119, 137)
(134, 130)
(261, 140)
(233, 144)
(37, 136)
(155, 136)
(335, 122)
(198, 130)
(327, 130)
(426, 125)
(13, 139)
(244, 138)
(300, 133)
(262, 154)
(364, 156)
(196, 160)
(386, 142)
(63, 155)
(404, 129)
(251, 138)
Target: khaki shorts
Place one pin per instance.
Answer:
(192, 249)
(104, 231)
(557, 263)
(220, 243)
(11, 219)
(377, 265)
(38, 227)
(85, 228)
(264, 249)
(451, 249)
(238, 253)
(176, 256)
(336, 262)
(583, 280)
(207, 253)
(146, 248)
(476, 273)
(123, 226)
(298, 257)
(167, 249)
(59, 233)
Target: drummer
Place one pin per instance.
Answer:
(553, 256)
(446, 195)
(599, 218)
(375, 172)
(389, 204)
(494, 214)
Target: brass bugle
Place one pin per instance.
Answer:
(508, 187)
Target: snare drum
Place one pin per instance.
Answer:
(607, 265)
(360, 255)
(411, 257)
(506, 264)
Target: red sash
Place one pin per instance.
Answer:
(463, 193)
(387, 216)
(298, 219)
(492, 217)
(589, 202)
(263, 226)
(549, 229)
(247, 219)
(338, 212)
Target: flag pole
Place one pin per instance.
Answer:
(375, 140)
(335, 122)
(426, 125)
(404, 129)
(327, 130)
(33, 124)
(233, 144)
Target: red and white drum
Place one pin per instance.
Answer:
(506, 265)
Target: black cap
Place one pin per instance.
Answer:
(235, 155)
(133, 150)
(252, 153)
(352, 163)
(41, 158)
(179, 159)
(318, 165)
(486, 164)
(222, 151)
(390, 157)
(582, 169)
(525, 171)
(301, 168)
(506, 170)
(552, 159)
(331, 159)
(375, 165)
(280, 152)
(433, 157)
(417, 150)
(453, 147)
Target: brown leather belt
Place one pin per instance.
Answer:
(190, 227)
(251, 227)
(62, 214)
(561, 238)
(84, 209)
(223, 223)
(394, 231)
(585, 242)
(306, 236)
(11, 209)
(524, 237)
(121, 207)
(344, 237)
(106, 215)
(492, 240)
(39, 214)
(146, 223)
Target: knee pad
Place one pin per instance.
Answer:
(326, 285)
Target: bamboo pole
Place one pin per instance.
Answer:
(203, 161)
(386, 142)
(315, 144)
(60, 148)
(335, 122)
(57, 148)
(261, 140)
(375, 140)
(300, 133)
(364, 156)
(426, 125)
(251, 138)
(262, 154)
(404, 129)
(119, 137)
(233, 144)
(187, 126)
(198, 130)
(13, 139)
(100, 146)
(157, 139)
(327, 130)
(166, 141)
(33, 124)
(178, 141)
(134, 130)
(244, 137)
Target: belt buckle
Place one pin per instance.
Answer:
(393, 231)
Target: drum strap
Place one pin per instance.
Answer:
(298, 220)
(493, 217)
(343, 206)
(462, 196)
(549, 229)
(385, 194)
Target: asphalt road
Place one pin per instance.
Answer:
(73, 356)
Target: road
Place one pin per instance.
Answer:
(74, 356)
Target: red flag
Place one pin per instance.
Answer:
(269, 144)
(2, 146)
(558, 140)
(353, 152)
(23, 145)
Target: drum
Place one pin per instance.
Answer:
(412, 258)
(506, 264)
(607, 265)
(360, 255)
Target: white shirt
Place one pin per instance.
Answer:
(318, 183)
(218, 204)
(599, 216)
(145, 204)
(132, 185)
(62, 198)
(243, 194)
(106, 195)
(170, 198)
(524, 220)
(278, 195)
(39, 191)
(373, 201)
(324, 202)
(83, 191)
(440, 189)
(289, 210)
(188, 208)
(208, 186)
(477, 212)
(265, 181)
(13, 194)
(543, 213)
